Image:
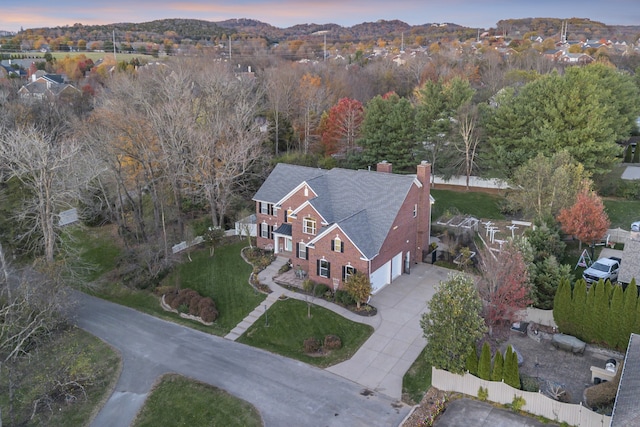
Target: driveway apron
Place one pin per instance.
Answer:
(388, 354)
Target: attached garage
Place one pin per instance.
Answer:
(396, 266)
(380, 277)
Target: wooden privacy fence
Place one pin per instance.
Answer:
(536, 403)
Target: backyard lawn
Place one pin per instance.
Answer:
(285, 327)
(479, 205)
(179, 401)
(622, 212)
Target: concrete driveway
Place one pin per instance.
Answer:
(285, 391)
(388, 354)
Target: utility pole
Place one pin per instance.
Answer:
(114, 46)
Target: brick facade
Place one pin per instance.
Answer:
(408, 234)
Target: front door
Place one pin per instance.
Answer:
(288, 245)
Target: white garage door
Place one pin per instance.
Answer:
(380, 277)
(396, 266)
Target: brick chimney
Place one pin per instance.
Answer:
(424, 208)
(383, 166)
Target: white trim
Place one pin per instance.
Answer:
(295, 190)
(329, 230)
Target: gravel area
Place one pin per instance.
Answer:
(558, 367)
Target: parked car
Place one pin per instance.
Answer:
(604, 268)
(635, 226)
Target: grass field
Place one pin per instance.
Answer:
(225, 278)
(417, 380)
(288, 326)
(178, 401)
(622, 212)
(480, 205)
(72, 354)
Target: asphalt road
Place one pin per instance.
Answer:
(285, 391)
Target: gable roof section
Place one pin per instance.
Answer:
(626, 411)
(364, 204)
(282, 180)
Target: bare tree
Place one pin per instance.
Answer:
(49, 170)
(469, 138)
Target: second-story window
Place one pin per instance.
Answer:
(337, 245)
(309, 226)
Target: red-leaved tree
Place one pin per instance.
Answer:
(342, 126)
(586, 219)
(504, 284)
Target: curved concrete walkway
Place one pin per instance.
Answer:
(397, 340)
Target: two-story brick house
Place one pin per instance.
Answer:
(332, 223)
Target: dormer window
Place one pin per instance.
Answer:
(337, 245)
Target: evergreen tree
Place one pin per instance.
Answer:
(600, 312)
(511, 373)
(629, 312)
(589, 321)
(562, 307)
(484, 365)
(615, 319)
(498, 367)
(578, 309)
(388, 131)
(636, 154)
(627, 154)
(472, 361)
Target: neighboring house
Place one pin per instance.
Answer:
(47, 85)
(626, 411)
(630, 265)
(576, 58)
(332, 223)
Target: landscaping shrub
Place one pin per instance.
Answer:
(603, 394)
(472, 361)
(308, 285)
(484, 365)
(332, 342)
(194, 303)
(320, 289)
(498, 365)
(170, 295)
(344, 298)
(286, 267)
(518, 403)
(208, 313)
(529, 383)
(311, 345)
(483, 393)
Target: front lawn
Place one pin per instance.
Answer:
(179, 401)
(417, 380)
(223, 277)
(480, 205)
(288, 326)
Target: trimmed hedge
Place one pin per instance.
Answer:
(203, 307)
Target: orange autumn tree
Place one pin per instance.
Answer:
(342, 126)
(586, 219)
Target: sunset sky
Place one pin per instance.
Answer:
(16, 14)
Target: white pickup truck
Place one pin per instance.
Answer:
(604, 268)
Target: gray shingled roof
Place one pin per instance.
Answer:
(363, 203)
(630, 265)
(282, 180)
(626, 411)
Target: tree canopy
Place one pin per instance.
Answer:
(453, 323)
(388, 131)
(585, 111)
